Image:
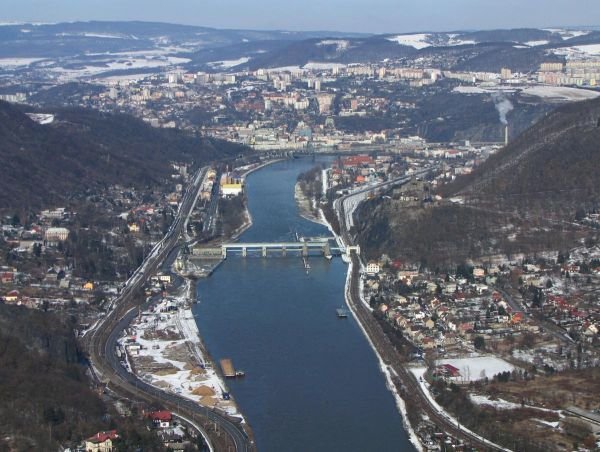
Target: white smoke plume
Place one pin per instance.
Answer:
(503, 105)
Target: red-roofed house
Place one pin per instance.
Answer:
(101, 442)
(446, 371)
(161, 418)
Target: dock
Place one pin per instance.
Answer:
(228, 369)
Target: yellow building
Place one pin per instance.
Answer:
(231, 189)
(101, 442)
(88, 286)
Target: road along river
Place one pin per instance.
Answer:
(312, 381)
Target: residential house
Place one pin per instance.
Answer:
(161, 419)
(101, 442)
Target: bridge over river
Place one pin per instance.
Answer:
(326, 246)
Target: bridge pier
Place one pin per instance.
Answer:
(264, 251)
(244, 251)
(304, 250)
(224, 252)
(283, 251)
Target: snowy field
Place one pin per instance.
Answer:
(18, 62)
(101, 67)
(419, 373)
(498, 404)
(562, 93)
(226, 64)
(477, 368)
(312, 65)
(171, 358)
(340, 44)
(418, 40)
(586, 50)
(536, 43)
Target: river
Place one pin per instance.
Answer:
(312, 381)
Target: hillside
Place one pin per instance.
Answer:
(85, 149)
(524, 199)
(45, 399)
(520, 49)
(557, 161)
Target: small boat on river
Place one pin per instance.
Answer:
(342, 313)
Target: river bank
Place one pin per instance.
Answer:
(309, 374)
(307, 207)
(164, 348)
(386, 370)
(304, 205)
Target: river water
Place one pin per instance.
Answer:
(312, 381)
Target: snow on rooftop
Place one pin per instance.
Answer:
(418, 40)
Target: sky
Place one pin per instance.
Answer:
(369, 16)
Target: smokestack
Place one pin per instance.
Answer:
(506, 136)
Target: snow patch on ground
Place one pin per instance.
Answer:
(284, 69)
(536, 43)
(499, 404)
(470, 90)
(477, 368)
(548, 423)
(313, 65)
(340, 44)
(567, 34)
(461, 42)
(578, 51)
(560, 92)
(18, 62)
(419, 373)
(226, 64)
(91, 70)
(418, 40)
(590, 49)
(191, 370)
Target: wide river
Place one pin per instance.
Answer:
(312, 381)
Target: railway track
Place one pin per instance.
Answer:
(222, 431)
(407, 382)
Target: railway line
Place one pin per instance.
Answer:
(222, 431)
(406, 382)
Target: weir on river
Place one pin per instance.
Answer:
(312, 380)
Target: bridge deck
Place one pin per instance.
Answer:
(275, 245)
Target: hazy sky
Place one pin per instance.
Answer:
(376, 16)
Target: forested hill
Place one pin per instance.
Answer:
(85, 149)
(524, 199)
(45, 398)
(553, 165)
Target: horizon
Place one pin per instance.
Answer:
(378, 17)
(594, 27)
